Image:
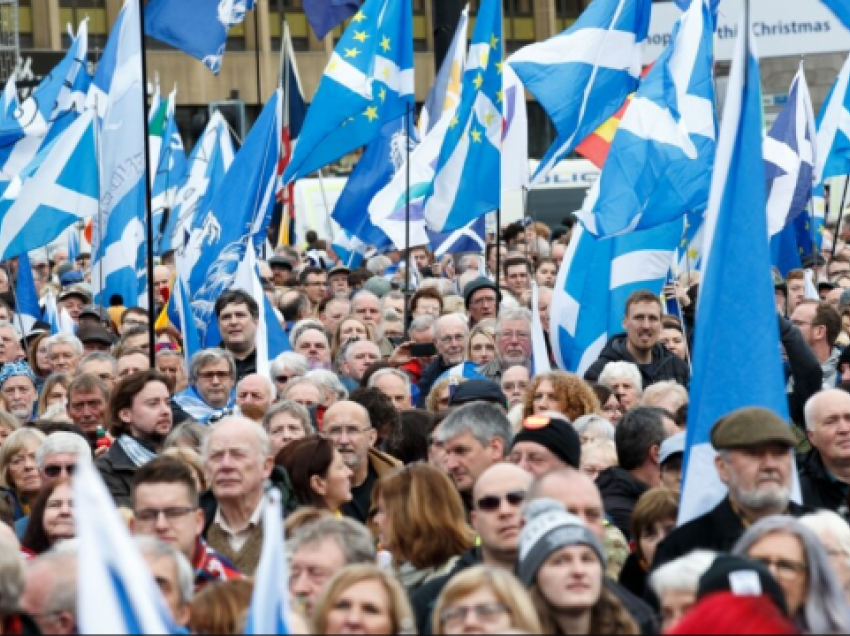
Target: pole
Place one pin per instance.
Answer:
(446, 18)
(840, 220)
(498, 271)
(257, 56)
(407, 256)
(148, 209)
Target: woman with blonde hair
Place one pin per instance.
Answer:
(54, 391)
(481, 345)
(362, 599)
(484, 600)
(8, 425)
(38, 358)
(20, 481)
(421, 522)
(350, 328)
(221, 607)
(441, 393)
(561, 392)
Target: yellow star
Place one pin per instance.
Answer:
(488, 119)
(500, 96)
(386, 44)
(476, 136)
(455, 122)
(332, 66)
(383, 95)
(387, 73)
(351, 53)
(494, 41)
(684, 243)
(499, 66)
(361, 36)
(359, 17)
(692, 254)
(478, 81)
(371, 113)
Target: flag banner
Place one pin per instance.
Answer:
(325, 15)
(841, 9)
(27, 309)
(168, 175)
(196, 27)
(446, 93)
(602, 53)
(467, 239)
(368, 83)
(737, 331)
(833, 141)
(659, 166)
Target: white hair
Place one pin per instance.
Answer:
(12, 576)
(378, 264)
(620, 370)
(827, 522)
(683, 574)
(63, 443)
(596, 424)
(655, 393)
(401, 375)
(268, 384)
(289, 360)
(156, 549)
(329, 382)
(67, 339)
(814, 401)
(5, 324)
(264, 444)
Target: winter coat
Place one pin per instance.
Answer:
(620, 494)
(118, 471)
(821, 490)
(664, 365)
(425, 598)
(429, 378)
(806, 372)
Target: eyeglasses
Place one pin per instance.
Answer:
(53, 471)
(486, 612)
(151, 515)
(214, 375)
(446, 340)
(510, 335)
(783, 569)
(491, 503)
(337, 432)
(801, 323)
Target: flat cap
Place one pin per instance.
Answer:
(751, 427)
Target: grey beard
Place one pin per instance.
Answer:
(774, 501)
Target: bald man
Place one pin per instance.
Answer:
(497, 499)
(825, 471)
(254, 396)
(348, 426)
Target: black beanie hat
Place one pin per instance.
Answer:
(477, 285)
(554, 433)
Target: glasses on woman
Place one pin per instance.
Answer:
(486, 613)
(783, 569)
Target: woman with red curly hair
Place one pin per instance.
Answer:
(560, 392)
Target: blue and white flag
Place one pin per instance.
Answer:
(233, 222)
(445, 95)
(74, 243)
(27, 309)
(601, 56)
(467, 239)
(833, 142)
(185, 318)
(269, 612)
(211, 158)
(121, 594)
(659, 166)
(464, 371)
(368, 82)
(841, 9)
(594, 282)
(539, 351)
(789, 152)
(59, 188)
(350, 250)
(737, 332)
(9, 102)
(118, 261)
(169, 176)
(467, 179)
(325, 15)
(196, 27)
(59, 321)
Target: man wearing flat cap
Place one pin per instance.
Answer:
(754, 460)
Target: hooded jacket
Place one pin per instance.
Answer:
(620, 494)
(664, 365)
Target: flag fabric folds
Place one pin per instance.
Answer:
(9, 101)
(841, 10)
(467, 179)
(27, 308)
(368, 82)
(56, 190)
(325, 15)
(168, 175)
(349, 249)
(833, 141)
(445, 95)
(737, 332)
(601, 54)
(196, 27)
(659, 166)
(594, 281)
(122, 597)
(467, 239)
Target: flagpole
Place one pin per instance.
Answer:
(257, 55)
(148, 194)
(840, 219)
(497, 273)
(407, 267)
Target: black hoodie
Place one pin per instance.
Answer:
(664, 365)
(620, 493)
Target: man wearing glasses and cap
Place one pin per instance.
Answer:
(73, 300)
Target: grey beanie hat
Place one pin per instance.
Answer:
(549, 527)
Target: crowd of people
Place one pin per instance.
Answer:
(431, 482)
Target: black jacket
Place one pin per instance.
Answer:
(425, 598)
(429, 378)
(118, 471)
(620, 493)
(664, 365)
(633, 576)
(640, 610)
(820, 489)
(718, 530)
(806, 372)
(246, 367)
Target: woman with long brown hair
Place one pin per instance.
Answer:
(421, 522)
(318, 473)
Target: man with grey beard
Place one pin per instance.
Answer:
(513, 343)
(754, 460)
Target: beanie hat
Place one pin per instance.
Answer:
(549, 527)
(741, 577)
(477, 285)
(555, 434)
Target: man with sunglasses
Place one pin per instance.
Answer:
(496, 517)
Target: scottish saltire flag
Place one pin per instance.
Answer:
(368, 82)
(73, 243)
(58, 189)
(789, 153)
(539, 352)
(659, 166)
(122, 596)
(465, 370)
(185, 321)
(156, 129)
(118, 260)
(737, 334)
(325, 15)
(467, 179)
(471, 238)
(841, 9)
(594, 281)
(27, 308)
(601, 56)
(685, 4)
(833, 141)
(9, 101)
(233, 222)
(269, 612)
(196, 27)
(169, 174)
(446, 93)
(48, 111)
(209, 162)
(350, 250)
(59, 321)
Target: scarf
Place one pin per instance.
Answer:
(137, 453)
(195, 406)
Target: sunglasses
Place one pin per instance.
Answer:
(491, 503)
(54, 471)
(282, 379)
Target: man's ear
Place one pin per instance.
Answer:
(373, 437)
(722, 469)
